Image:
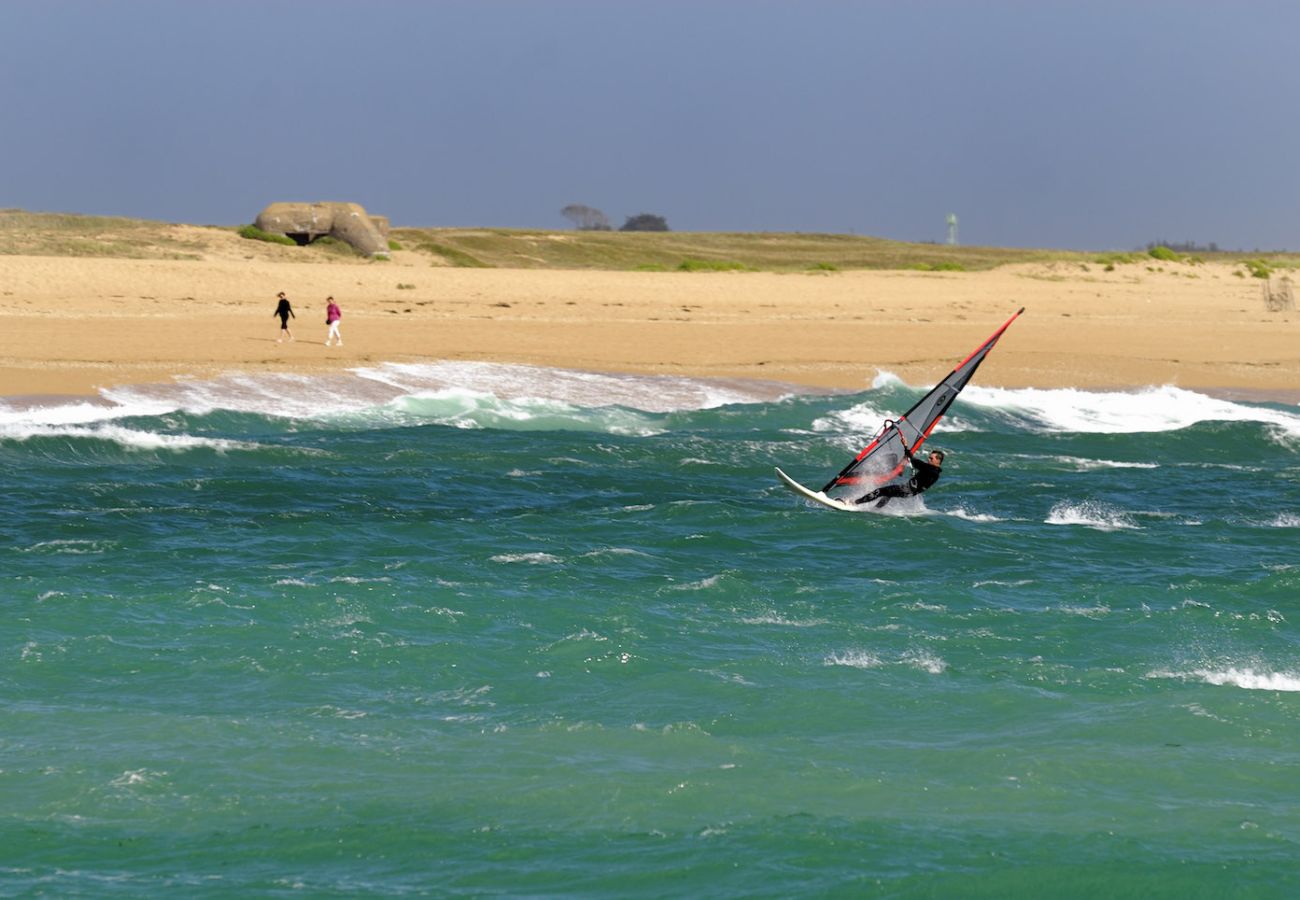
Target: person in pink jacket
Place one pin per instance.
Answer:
(332, 316)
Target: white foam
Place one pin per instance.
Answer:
(469, 394)
(1248, 679)
(1088, 612)
(1152, 409)
(74, 546)
(774, 618)
(76, 413)
(650, 393)
(961, 513)
(1090, 515)
(134, 777)
(925, 661)
(703, 584)
(1087, 465)
(856, 659)
(532, 559)
(128, 438)
(861, 659)
(1285, 520)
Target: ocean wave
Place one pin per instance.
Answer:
(923, 660)
(962, 513)
(127, 438)
(463, 394)
(649, 393)
(71, 546)
(1056, 411)
(1152, 409)
(855, 659)
(532, 559)
(1090, 514)
(775, 618)
(1248, 679)
(1081, 464)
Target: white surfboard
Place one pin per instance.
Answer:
(817, 496)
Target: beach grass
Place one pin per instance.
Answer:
(25, 233)
(707, 253)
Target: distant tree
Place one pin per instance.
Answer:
(645, 222)
(586, 218)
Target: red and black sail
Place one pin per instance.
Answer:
(883, 461)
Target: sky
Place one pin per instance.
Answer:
(1039, 123)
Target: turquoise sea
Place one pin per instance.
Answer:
(473, 629)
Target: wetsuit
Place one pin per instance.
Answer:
(924, 475)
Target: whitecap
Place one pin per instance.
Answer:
(925, 661)
(72, 546)
(134, 777)
(857, 659)
(532, 559)
(1151, 409)
(461, 394)
(649, 393)
(1248, 679)
(128, 438)
(778, 619)
(962, 513)
(1083, 464)
(1088, 612)
(701, 585)
(1090, 515)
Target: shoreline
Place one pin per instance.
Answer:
(748, 390)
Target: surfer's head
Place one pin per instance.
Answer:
(936, 458)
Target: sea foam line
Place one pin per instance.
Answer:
(1071, 410)
(467, 394)
(128, 438)
(1152, 409)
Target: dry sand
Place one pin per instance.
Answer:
(71, 325)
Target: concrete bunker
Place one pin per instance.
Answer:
(347, 222)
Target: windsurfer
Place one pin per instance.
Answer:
(924, 475)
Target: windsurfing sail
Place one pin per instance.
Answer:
(883, 461)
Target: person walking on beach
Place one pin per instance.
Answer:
(924, 475)
(332, 316)
(284, 311)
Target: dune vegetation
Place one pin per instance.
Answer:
(72, 235)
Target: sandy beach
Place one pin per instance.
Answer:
(73, 325)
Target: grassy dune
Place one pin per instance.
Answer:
(65, 234)
(700, 251)
(59, 234)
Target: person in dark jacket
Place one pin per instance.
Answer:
(924, 475)
(284, 311)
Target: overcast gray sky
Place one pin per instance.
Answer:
(1055, 124)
